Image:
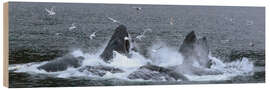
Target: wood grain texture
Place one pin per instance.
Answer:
(5, 32)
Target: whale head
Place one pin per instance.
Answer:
(119, 42)
(195, 50)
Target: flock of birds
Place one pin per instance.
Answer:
(51, 12)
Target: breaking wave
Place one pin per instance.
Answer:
(161, 55)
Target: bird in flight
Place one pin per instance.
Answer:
(72, 26)
(138, 8)
(143, 34)
(51, 11)
(113, 20)
(92, 35)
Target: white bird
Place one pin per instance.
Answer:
(138, 8)
(171, 21)
(113, 20)
(251, 44)
(92, 35)
(51, 11)
(57, 34)
(142, 35)
(72, 26)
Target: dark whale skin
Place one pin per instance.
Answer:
(62, 63)
(117, 43)
(154, 72)
(193, 48)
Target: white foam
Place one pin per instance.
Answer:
(164, 56)
(121, 61)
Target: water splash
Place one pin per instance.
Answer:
(165, 57)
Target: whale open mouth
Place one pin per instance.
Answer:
(118, 61)
(127, 45)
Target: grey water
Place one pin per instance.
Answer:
(34, 36)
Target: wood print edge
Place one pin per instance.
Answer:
(6, 52)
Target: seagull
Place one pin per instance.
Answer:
(51, 11)
(72, 26)
(171, 21)
(138, 8)
(142, 35)
(251, 44)
(113, 20)
(57, 34)
(92, 35)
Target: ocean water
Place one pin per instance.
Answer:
(236, 38)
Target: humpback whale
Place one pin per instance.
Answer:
(62, 63)
(119, 42)
(154, 72)
(195, 49)
(195, 52)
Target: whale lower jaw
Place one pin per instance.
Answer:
(191, 47)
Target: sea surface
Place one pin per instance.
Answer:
(236, 37)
